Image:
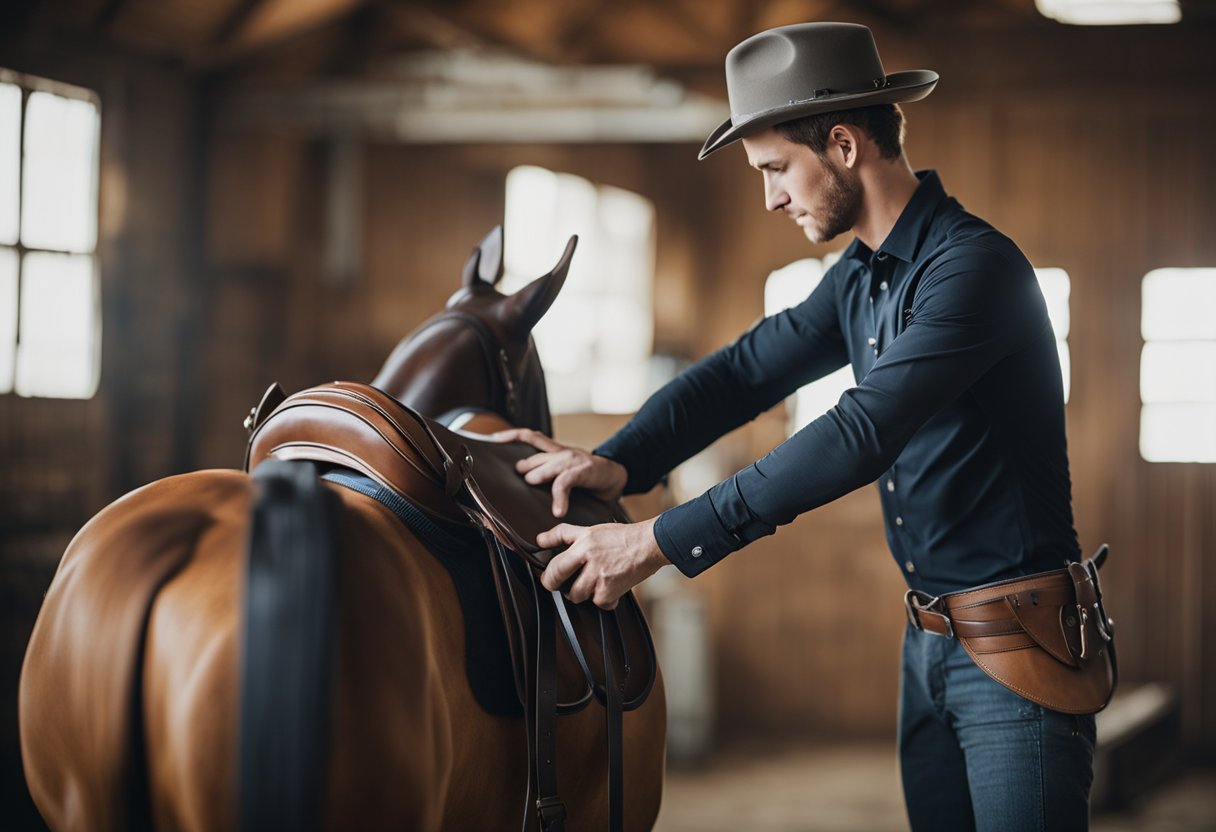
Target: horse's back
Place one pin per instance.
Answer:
(80, 678)
(144, 618)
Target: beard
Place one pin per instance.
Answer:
(841, 206)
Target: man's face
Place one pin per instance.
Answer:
(819, 194)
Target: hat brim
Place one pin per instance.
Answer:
(902, 87)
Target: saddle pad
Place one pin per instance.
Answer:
(461, 551)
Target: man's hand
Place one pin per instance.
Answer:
(566, 468)
(609, 559)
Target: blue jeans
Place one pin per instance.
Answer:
(976, 756)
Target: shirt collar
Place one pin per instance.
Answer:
(906, 235)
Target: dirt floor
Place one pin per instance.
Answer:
(855, 788)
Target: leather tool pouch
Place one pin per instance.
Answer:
(1046, 637)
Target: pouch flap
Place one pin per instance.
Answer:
(1045, 623)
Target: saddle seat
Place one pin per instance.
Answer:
(460, 476)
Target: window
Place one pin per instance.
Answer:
(1056, 288)
(790, 285)
(49, 322)
(596, 342)
(1178, 366)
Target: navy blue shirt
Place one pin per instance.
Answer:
(958, 412)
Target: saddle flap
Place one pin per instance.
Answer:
(513, 509)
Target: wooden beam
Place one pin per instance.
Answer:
(106, 14)
(233, 22)
(241, 44)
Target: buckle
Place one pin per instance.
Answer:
(552, 812)
(917, 602)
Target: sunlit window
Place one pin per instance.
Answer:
(49, 321)
(596, 341)
(1178, 366)
(1056, 288)
(790, 285)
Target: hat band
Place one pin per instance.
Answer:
(879, 83)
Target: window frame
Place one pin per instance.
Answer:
(1149, 340)
(29, 85)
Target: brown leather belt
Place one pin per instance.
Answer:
(1045, 636)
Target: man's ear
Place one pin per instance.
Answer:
(845, 142)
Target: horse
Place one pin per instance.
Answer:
(134, 700)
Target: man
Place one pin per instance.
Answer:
(957, 414)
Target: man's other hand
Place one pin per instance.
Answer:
(567, 468)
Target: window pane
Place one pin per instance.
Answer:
(1178, 371)
(57, 353)
(595, 343)
(789, 286)
(1178, 432)
(59, 196)
(818, 397)
(1177, 305)
(1056, 288)
(8, 317)
(1065, 366)
(10, 159)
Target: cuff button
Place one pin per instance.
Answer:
(697, 551)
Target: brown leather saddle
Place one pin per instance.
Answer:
(455, 476)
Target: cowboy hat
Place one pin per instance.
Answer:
(793, 71)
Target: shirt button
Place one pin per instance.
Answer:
(899, 521)
(876, 350)
(882, 286)
(871, 341)
(697, 551)
(890, 485)
(910, 566)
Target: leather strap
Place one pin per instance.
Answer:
(550, 810)
(612, 710)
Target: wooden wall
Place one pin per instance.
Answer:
(1091, 149)
(62, 460)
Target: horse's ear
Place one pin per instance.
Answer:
(472, 267)
(491, 266)
(527, 306)
(485, 262)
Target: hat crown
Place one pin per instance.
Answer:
(800, 62)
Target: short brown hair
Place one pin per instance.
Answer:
(884, 123)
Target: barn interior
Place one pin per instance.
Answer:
(279, 190)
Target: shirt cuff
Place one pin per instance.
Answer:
(696, 535)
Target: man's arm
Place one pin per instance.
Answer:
(974, 307)
(709, 399)
(731, 387)
(720, 393)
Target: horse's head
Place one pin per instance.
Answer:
(478, 352)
